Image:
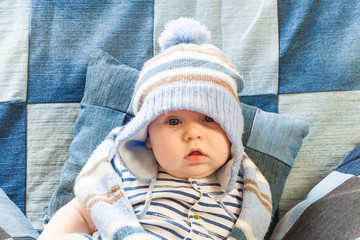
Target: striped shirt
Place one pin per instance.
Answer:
(183, 208)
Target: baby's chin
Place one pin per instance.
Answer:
(197, 175)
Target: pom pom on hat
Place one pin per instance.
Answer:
(184, 30)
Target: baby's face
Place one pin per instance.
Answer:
(188, 144)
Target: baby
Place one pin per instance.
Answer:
(177, 170)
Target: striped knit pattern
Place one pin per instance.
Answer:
(186, 63)
(99, 189)
(113, 196)
(251, 224)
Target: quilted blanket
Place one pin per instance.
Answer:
(299, 59)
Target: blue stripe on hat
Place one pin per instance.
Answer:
(192, 63)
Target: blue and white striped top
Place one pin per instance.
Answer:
(183, 208)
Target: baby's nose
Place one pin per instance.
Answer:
(193, 131)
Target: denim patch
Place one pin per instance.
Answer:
(319, 46)
(67, 33)
(13, 222)
(14, 49)
(50, 130)
(333, 119)
(12, 151)
(268, 102)
(351, 164)
(245, 31)
(109, 83)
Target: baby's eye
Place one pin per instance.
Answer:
(208, 119)
(173, 121)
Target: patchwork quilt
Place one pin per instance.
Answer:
(299, 59)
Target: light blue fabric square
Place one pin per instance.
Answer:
(14, 49)
(50, 130)
(246, 31)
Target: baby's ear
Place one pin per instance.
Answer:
(148, 143)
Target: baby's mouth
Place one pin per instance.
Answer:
(195, 153)
(196, 156)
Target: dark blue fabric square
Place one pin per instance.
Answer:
(13, 151)
(64, 34)
(268, 102)
(351, 164)
(319, 46)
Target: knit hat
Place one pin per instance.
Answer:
(189, 74)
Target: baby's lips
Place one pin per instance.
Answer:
(195, 153)
(195, 156)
